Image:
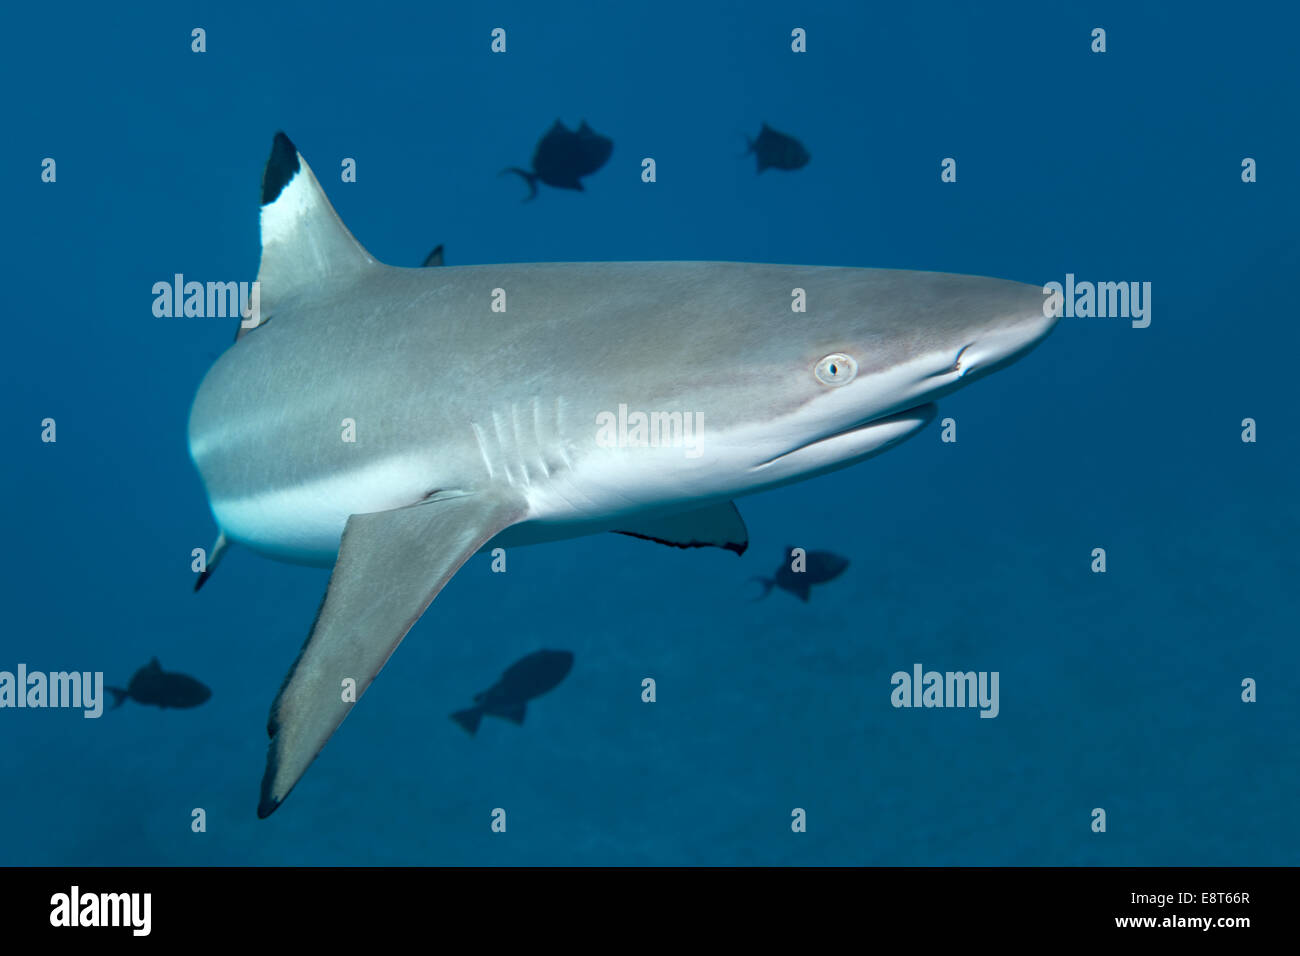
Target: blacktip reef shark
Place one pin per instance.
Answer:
(474, 427)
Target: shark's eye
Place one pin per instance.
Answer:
(836, 369)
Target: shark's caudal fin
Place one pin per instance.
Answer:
(469, 719)
(119, 696)
(304, 243)
(391, 565)
(768, 584)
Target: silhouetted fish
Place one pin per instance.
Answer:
(530, 677)
(153, 685)
(563, 157)
(777, 150)
(819, 567)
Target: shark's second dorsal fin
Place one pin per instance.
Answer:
(304, 243)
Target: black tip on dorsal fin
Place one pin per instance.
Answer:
(281, 166)
(154, 665)
(434, 258)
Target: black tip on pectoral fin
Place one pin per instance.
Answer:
(281, 166)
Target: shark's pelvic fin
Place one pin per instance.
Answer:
(391, 565)
(304, 243)
(717, 526)
(214, 558)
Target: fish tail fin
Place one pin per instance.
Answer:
(529, 178)
(119, 695)
(514, 714)
(768, 584)
(469, 719)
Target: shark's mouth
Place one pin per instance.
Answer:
(853, 444)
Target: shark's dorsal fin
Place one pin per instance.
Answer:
(714, 526)
(304, 243)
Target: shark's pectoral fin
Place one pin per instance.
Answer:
(391, 565)
(717, 526)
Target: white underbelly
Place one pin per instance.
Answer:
(304, 523)
(599, 492)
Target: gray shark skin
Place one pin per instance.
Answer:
(475, 428)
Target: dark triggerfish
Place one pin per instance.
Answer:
(819, 567)
(153, 685)
(775, 150)
(563, 157)
(529, 677)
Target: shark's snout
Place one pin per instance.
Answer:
(1011, 339)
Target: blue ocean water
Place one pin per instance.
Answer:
(1120, 691)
